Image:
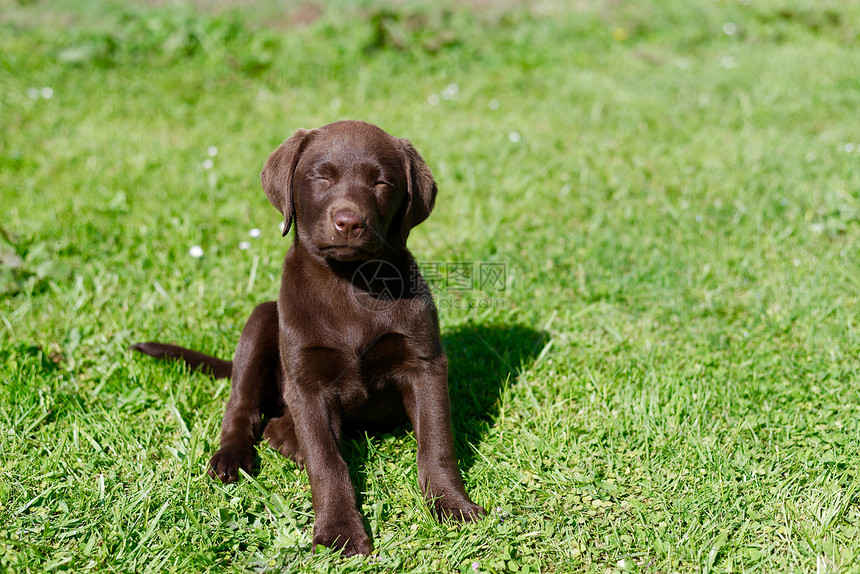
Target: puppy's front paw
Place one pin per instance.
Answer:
(349, 535)
(226, 462)
(460, 511)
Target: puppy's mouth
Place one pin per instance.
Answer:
(346, 253)
(358, 239)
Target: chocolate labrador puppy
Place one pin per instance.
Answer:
(353, 338)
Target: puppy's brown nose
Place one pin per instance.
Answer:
(348, 224)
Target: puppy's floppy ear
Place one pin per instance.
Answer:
(421, 190)
(277, 175)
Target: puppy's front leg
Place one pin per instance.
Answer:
(338, 523)
(425, 397)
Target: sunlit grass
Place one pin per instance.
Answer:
(670, 382)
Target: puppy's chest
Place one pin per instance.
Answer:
(357, 373)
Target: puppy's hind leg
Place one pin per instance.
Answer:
(281, 434)
(255, 391)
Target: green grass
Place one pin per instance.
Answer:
(671, 384)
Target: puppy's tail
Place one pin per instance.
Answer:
(217, 368)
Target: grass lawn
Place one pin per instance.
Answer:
(653, 364)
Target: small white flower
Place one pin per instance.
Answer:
(729, 28)
(243, 245)
(208, 163)
(33, 93)
(699, 219)
(450, 91)
(254, 233)
(212, 151)
(47, 92)
(433, 99)
(493, 104)
(196, 252)
(849, 147)
(515, 137)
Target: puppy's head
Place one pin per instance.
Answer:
(352, 189)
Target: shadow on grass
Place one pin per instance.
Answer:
(482, 359)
